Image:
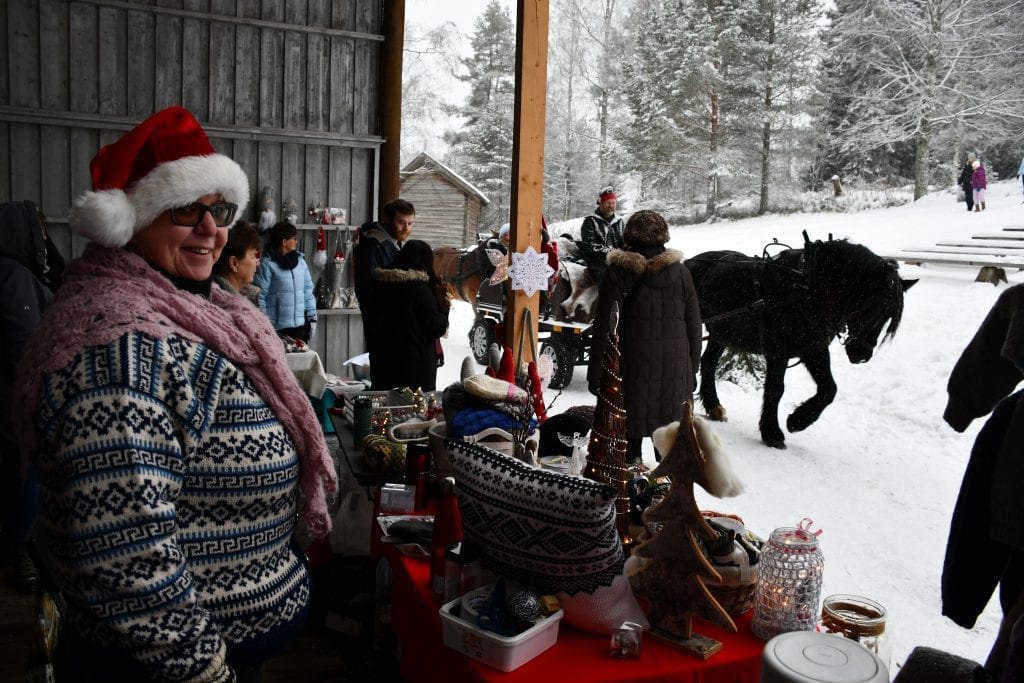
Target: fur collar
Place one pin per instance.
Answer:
(396, 276)
(640, 264)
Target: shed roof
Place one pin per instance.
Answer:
(425, 161)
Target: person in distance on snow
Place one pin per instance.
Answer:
(600, 233)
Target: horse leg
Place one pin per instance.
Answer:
(818, 365)
(774, 386)
(708, 391)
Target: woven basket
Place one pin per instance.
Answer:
(735, 600)
(735, 597)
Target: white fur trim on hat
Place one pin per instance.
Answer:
(112, 217)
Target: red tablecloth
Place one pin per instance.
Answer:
(577, 656)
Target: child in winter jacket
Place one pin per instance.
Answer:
(978, 182)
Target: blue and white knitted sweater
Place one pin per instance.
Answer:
(172, 538)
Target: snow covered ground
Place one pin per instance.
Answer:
(880, 471)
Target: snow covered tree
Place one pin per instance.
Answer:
(428, 53)
(584, 63)
(927, 66)
(776, 60)
(482, 150)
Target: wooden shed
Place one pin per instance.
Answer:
(288, 88)
(447, 205)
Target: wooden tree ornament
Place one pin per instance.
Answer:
(672, 567)
(606, 453)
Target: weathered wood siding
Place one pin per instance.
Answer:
(288, 88)
(445, 215)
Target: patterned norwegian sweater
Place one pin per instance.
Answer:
(173, 538)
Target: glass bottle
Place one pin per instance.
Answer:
(857, 618)
(788, 583)
(362, 410)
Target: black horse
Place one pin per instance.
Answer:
(793, 305)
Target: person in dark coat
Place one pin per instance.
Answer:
(410, 311)
(28, 275)
(985, 546)
(965, 181)
(378, 245)
(659, 328)
(600, 233)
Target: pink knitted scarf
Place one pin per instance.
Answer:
(110, 292)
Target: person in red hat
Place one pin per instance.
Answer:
(601, 232)
(171, 439)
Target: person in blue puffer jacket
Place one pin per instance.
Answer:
(286, 287)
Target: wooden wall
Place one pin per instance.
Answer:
(445, 214)
(288, 88)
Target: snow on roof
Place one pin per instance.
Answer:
(425, 161)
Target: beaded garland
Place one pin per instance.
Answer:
(606, 456)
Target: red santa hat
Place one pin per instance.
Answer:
(606, 194)
(164, 162)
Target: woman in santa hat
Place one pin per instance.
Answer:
(171, 438)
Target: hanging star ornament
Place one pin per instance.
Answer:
(530, 271)
(500, 263)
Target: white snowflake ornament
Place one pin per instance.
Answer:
(530, 271)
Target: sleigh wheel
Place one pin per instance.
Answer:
(481, 336)
(561, 362)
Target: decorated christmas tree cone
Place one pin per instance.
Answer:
(606, 454)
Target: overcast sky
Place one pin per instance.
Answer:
(462, 13)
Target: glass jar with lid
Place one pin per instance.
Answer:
(788, 583)
(859, 619)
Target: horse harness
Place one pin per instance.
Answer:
(802, 279)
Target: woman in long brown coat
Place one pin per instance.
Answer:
(659, 328)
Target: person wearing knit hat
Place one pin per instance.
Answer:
(171, 438)
(600, 233)
(659, 328)
(979, 184)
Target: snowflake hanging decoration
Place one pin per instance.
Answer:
(530, 271)
(500, 263)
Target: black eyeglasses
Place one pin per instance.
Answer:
(223, 213)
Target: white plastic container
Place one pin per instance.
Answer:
(504, 654)
(810, 657)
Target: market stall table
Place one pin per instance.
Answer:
(577, 656)
(308, 369)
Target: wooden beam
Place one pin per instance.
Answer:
(229, 19)
(390, 103)
(527, 160)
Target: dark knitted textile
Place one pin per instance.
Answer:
(550, 531)
(928, 665)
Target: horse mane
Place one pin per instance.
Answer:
(874, 291)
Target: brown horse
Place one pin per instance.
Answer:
(463, 270)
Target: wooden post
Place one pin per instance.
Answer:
(527, 159)
(390, 101)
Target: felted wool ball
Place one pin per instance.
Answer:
(378, 452)
(523, 605)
